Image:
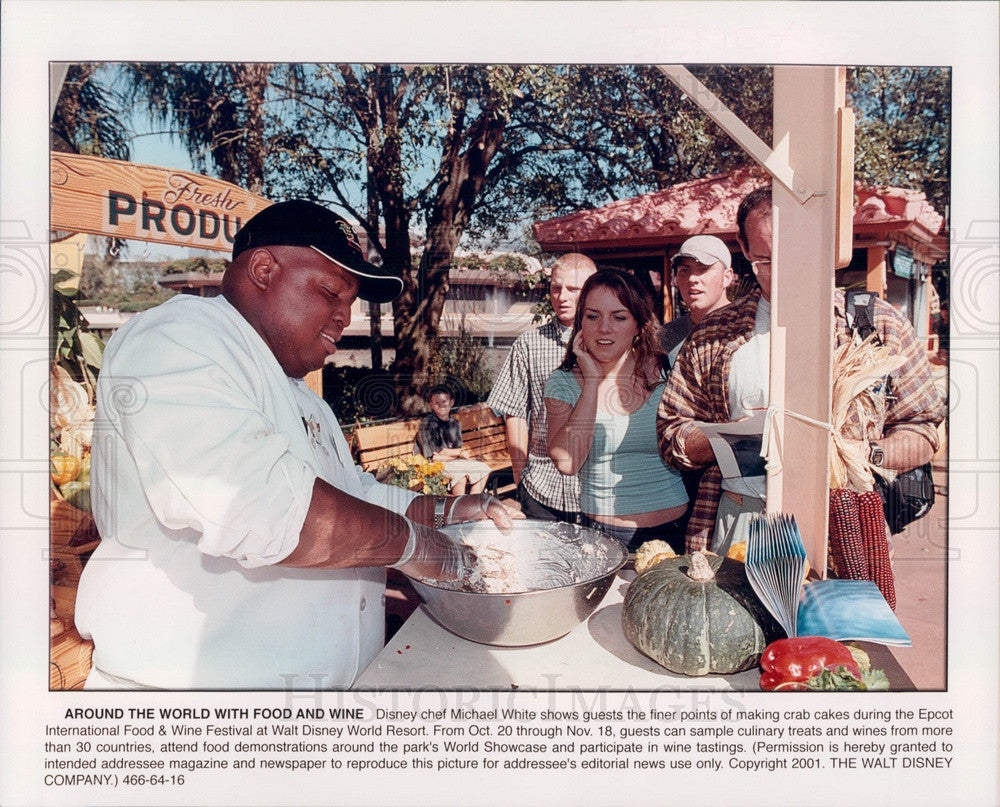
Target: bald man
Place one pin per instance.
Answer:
(518, 393)
(241, 548)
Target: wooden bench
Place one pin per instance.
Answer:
(484, 436)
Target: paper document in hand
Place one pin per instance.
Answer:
(836, 609)
(737, 445)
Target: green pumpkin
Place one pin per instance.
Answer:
(697, 615)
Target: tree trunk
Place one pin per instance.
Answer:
(374, 309)
(254, 78)
(424, 295)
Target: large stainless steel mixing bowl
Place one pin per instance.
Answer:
(565, 570)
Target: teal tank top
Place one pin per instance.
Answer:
(624, 473)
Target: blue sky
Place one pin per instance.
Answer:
(150, 145)
(155, 148)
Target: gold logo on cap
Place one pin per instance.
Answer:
(352, 237)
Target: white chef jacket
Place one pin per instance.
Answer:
(203, 464)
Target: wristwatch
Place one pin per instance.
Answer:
(876, 456)
(439, 512)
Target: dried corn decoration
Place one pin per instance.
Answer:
(72, 413)
(847, 555)
(876, 542)
(859, 370)
(858, 543)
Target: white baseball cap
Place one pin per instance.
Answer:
(706, 249)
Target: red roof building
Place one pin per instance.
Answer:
(644, 232)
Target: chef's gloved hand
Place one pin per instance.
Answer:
(432, 555)
(479, 506)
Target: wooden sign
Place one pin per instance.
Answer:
(162, 205)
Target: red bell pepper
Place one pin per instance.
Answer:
(814, 662)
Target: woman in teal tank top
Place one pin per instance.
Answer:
(601, 404)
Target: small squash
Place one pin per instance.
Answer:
(651, 553)
(697, 615)
(64, 468)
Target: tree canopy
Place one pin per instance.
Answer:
(903, 128)
(474, 153)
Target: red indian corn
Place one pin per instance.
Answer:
(873, 532)
(848, 556)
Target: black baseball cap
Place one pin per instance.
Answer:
(301, 223)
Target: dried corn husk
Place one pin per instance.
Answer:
(75, 440)
(856, 368)
(69, 399)
(72, 412)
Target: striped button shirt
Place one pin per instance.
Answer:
(519, 391)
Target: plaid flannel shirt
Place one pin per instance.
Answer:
(519, 391)
(698, 390)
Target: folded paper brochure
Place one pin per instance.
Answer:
(837, 609)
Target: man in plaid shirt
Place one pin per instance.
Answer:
(518, 393)
(721, 375)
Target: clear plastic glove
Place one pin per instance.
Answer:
(432, 555)
(480, 506)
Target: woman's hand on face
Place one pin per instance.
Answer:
(588, 366)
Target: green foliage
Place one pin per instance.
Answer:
(131, 285)
(608, 132)
(359, 394)
(74, 347)
(460, 361)
(903, 128)
(574, 136)
(87, 118)
(509, 262)
(218, 110)
(471, 262)
(199, 264)
(529, 280)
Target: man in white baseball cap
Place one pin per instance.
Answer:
(703, 270)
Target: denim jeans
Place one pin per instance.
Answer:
(633, 537)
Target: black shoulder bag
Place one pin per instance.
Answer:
(911, 494)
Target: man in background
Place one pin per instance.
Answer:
(703, 271)
(518, 393)
(722, 376)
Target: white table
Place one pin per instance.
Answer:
(595, 655)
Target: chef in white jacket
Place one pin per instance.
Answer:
(242, 548)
